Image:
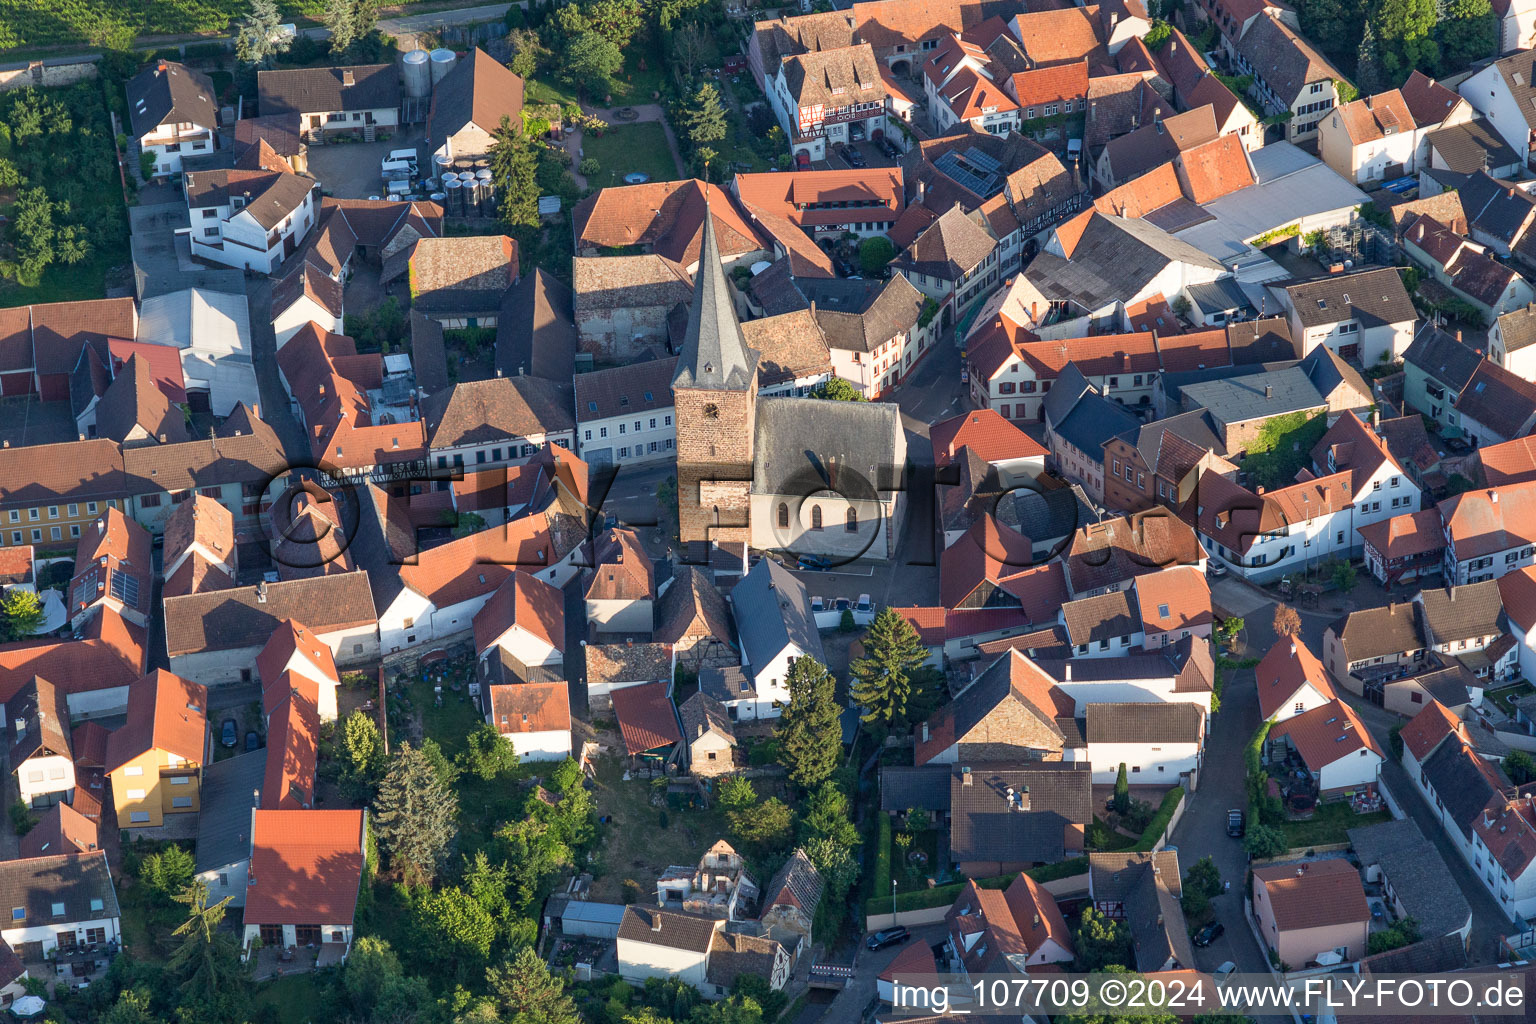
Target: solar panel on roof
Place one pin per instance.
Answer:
(125, 588)
(981, 161)
(983, 183)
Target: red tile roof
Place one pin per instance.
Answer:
(667, 216)
(1325, 734)
(1518, 591)
(646, 717)
(287, 641)
(166, 713)
(479, 563)
(1485, 522)
(987, 434)
(522, 600)
(1513, 462)
(293, 738)
(795, 195)
(1314, 894)
(1214, 169)
(1404, 536)
(306, 866)
(1040, 86)
(1426, 729)
(929, 623)
(531, 707)
(164, 364)
(1287, 667)
(988, 553)
(61, 829)
(1182, 591)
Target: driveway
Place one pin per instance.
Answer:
(350, 170)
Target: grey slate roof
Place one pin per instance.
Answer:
(1282, 58)
(725, 683)
(773, 611)
(317, 90)
(1114, 257)
(982, 827)
(224, 822)
(1046, 517)
(1257, 395)
(34, 885)
(175, 94)
(1070, 386)
(1175, 722)
(1327, 371)
(1113, 876)
(1456, 780)
(1442, 357)
(1518, 70)
(702, 713)
(1491, 204)
(1518, 328)
(1221, 296)
(1094, 420)
(903, 788)
(1416, 872)
(797, 880)
(1432, 956)
(1472, 146)
(1459, 613)
(804, 445)
(713, 353)
(536, 330)
(429, 356)
(1105, 617)
(1373, 297)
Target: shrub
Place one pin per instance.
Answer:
(846, 623)
(589, 166)
(21, 818)
(1159, 823)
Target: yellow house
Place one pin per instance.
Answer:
(155, 761)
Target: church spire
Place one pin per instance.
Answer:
(714, 353)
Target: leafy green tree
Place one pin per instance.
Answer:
(1519, 766)
(514, 169)
(1403, 36)
(736, 793)
(349, 21)
(892, 666)
(1331, 22)
(838, 390)
(453, 928)
(486, 755)
(132, 1007)
(526, 993)
(259, 37)
(702, 118)
(528, 51)
(487, 883)
(372, 967)
(534, 851)
(1228, 630)
(1468, 30)
(207, 961)
(810, 737)
(591, 61)
(1122, 799)
(21, 614)
(836, 864)
(1344, 576)
(1158, 35)
(875, 253)
(1265, 841)
(1205, 876)
(827, 816)
(765, 825)
(414, 814)
(168, 871)
(1100, 942)
(361, 755)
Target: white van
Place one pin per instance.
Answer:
(407, 155)
(395, 170)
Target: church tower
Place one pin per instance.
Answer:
(715, 391)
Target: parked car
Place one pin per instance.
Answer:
(854, 157)
(229, 735)
(813, 563)
(1214, 569)
(1209, 934)
(1225, 970)
(1237, 823)
(887, 937)
(252, 741)
(864, 604)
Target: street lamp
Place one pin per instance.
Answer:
(894, 920)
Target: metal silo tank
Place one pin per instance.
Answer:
(415, 75)
(443, 61)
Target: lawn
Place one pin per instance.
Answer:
(1506, 696)
(547, 90)
(1329, 824)
(911, 877)
(85, 280)
(629, 147)
(290, 1000)
(634, 844)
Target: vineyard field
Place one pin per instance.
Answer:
(33, 23)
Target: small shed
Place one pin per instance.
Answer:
(709, 735)
(648, 722)
(563, 915)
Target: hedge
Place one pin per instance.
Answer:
(1159, 823)
(944, 895)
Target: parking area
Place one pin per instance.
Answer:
(871, 152)
(351, 170)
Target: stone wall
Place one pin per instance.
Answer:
(714, 463)
(45, 73)
(1009, 732)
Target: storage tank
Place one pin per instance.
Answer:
(472, 199)
(454, 190)
(483, 174)
(443, 61)
(449, 176)
(441, 164)
(415, 75)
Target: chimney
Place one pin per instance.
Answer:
(1024, 799)
(655, 922)
(261, 592)
(1293, 648)
(162, 438)
(1067, 668)
(347, 77)
(922, 189)
(965, 776)
(1269, 391)
(1376, 418)
(1458, 334)
(1493, 496)
(925, 732)
(700, 728)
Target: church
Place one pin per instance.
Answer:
(808, 475)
